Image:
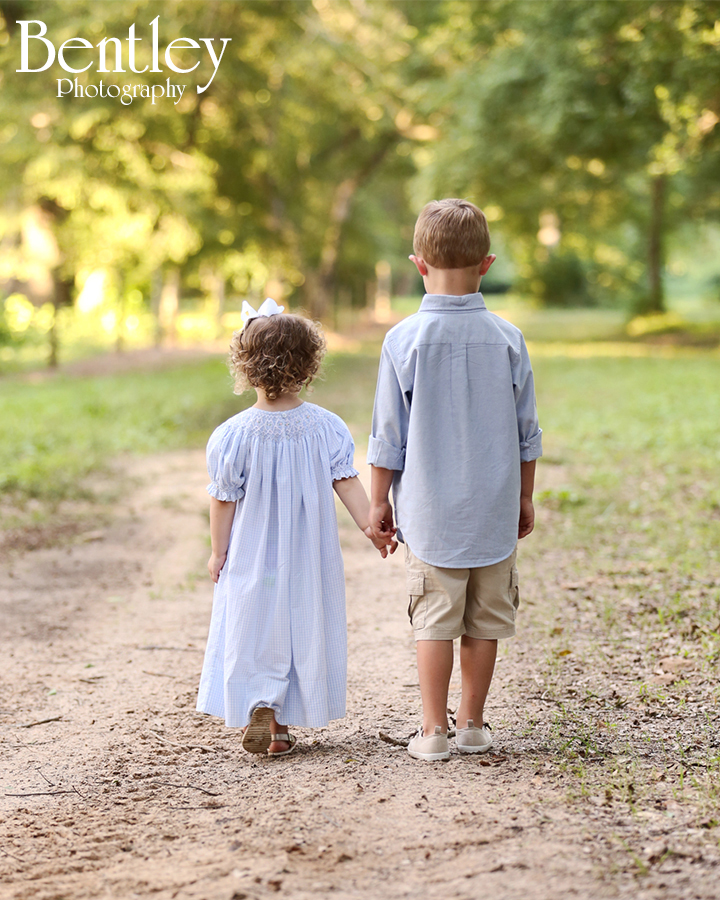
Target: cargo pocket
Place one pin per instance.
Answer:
(514, 591)
(417, 607)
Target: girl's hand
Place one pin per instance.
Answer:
(215, 564)
(382, 544)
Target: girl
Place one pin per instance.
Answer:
(276, 653)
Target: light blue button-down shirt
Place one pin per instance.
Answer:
(455, 416)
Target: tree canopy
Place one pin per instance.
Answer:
(587, 131)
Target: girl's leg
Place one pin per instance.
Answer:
(278, 746)
(477, 664)
(435, 662)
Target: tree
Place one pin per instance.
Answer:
(599, 116)
(303, 137)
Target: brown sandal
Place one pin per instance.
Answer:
(288, 738)
(257, 737)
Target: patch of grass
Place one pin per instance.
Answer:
(58, 431)
(639, 437)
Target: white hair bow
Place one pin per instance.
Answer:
(268, 308)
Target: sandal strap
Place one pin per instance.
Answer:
(281, 737)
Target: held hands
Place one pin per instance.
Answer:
(215, 565)
(382, 544)
(381, 530)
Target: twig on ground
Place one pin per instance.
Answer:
(165, 740)
(160, 674)
(192, 787)
(40, 722)
(40, 794)
(401, 742)
(182, 649)
(208, 806)
(11, 855)
(42, 775)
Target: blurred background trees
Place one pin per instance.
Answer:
(587, 131)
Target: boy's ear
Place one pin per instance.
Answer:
(486, 263)
(420, 264)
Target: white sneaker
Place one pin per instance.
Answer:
(432, 747)
(473, 740)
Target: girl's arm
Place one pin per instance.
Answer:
(353, 496)
(222, 513)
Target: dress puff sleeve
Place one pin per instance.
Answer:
(225, 458)
(342, 448)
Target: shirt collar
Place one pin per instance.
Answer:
(452, 302)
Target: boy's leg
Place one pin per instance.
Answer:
(435, 662)
(492, 601)
(477, 664)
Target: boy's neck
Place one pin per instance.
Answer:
(289, 400)
(452, 282)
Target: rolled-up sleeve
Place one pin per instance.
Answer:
(225, 459)
(391, 414)
(529, 431)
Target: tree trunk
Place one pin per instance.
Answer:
(156, 286)
(169, 304)
(53, 339)
(323, 294)
(61, 297)
(655, 302)
(321, 297)
(219, 302)
(122, 312)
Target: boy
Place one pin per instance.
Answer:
(455, 433)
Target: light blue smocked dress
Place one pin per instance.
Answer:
(278, 632)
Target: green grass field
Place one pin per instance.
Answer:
(635, 438)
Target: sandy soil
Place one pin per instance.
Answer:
(114, 787)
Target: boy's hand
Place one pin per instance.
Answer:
(527, 517)
(215, 564)
(381, 522)
(381, 544)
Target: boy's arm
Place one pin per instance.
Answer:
(527, 510)
(386, 447)
(222, 513)
(530, 435)
(529, 431)
(355, 500)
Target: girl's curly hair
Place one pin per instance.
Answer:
(278, 354)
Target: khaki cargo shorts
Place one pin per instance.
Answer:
(447, 603)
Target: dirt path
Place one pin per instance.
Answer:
(128, 792)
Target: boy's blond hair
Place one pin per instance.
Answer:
(451, 234)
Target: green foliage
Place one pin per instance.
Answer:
(637, 440)
(57, 432)
(601, 116)
(296, 169)
(267, 165)
(561, 280)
